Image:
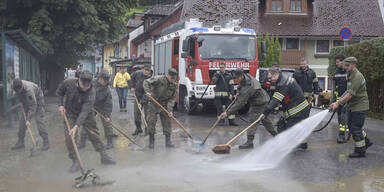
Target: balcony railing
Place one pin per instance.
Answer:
(291, 58)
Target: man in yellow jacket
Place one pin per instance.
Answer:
(120, 82)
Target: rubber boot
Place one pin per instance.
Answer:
(106, 159)
(82, 141)
(74, 167)
(358, 153)
(138, 129)
(248, 144)
(109, 144)
(303, 146)
(168, 142)
(232, 122)
(45, 143)
(368, 142)
(18, 145)
(222, 122)
(341, 138)
(151, 141)
(273, 133)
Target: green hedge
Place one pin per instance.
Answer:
(370, 56)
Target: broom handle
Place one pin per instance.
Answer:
(28, 128)
(244, 130)
(217, 121)
(141, 112)
(118, 129)
(165, 110)
(73, 142)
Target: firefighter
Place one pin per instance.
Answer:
(103, 104)
(294, 104)
(341, 86)
(32, 99)
(265, 84)
(136, 86)
(163, 89)
(307, 80)
(250, 91)
(76, 99)
(358, 105)
(223, 92)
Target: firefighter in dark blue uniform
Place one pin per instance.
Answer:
(289, 93)
(341, 86)
(307, 80)
(224, 92)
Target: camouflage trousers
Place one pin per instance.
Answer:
(153, 111)
(91, 130)
(40, 122)
(255, 112)
(108, 130)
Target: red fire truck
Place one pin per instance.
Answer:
(196, 52)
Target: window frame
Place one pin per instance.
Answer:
(295, 2)
(322, 53)
(277, 1)
(286, 44)
(333, 43)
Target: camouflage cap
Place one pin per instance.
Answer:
(86, 78)
(17, 85)
(350, 60)
(104, 75)
(147, 67)
(172, 72)
(238, 72)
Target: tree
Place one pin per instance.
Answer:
(64, 30)
(273, 49)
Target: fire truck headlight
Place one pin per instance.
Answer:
(237, 29)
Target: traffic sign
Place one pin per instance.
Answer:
(345, 33)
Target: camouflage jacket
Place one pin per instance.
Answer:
(75, 100)
(31, 97)
(162, 90)
(250, 91)
(137, 79)
(103, 101)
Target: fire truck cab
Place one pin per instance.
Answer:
(196, 51)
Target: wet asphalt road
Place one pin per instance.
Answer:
(323, 167)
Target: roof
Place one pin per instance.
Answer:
(161, 10)
(23, 40)
(327, 18)
(142, 37)
(134, 23)
(214, 12)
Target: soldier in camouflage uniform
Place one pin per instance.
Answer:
(250, 91)
(163, 89)
(76, 99)
(103, 104)
(32, 99)
(136, 86)
(358, 103)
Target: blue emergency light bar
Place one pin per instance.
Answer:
(199, 29)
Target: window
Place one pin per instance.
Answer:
(321, 83)
(322, 46)
(176, 47)
(296, 5)
(192, 51)
(338, 43)
(277, 5)
(293, 43)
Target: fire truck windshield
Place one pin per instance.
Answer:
(227, 47)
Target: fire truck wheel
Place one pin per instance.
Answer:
(181, 103)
